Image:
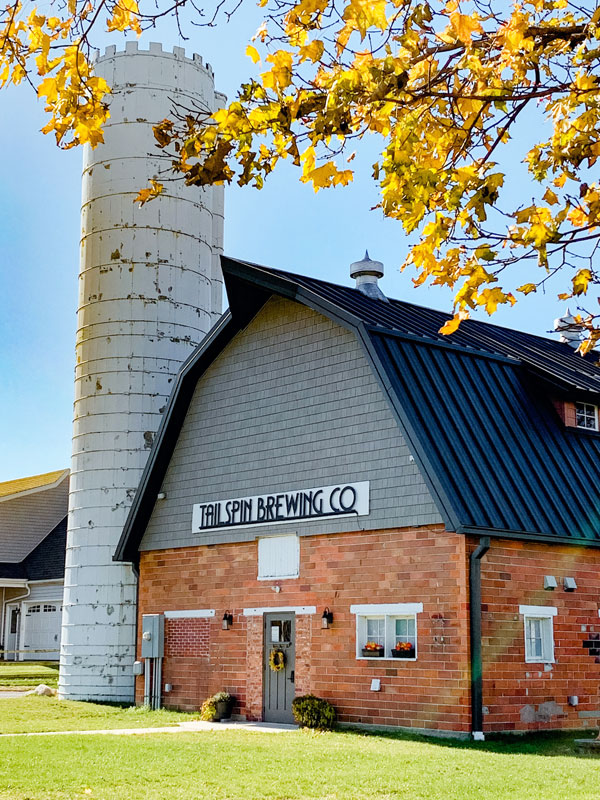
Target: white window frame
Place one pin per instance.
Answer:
(390, 612)
(295, 573)
(586, 413)
(545, 614)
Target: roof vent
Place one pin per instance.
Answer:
(570, 330)
(367, 273)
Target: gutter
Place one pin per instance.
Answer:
(475, 630)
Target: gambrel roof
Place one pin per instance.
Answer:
(475, 408)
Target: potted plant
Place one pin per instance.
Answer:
(403, 650)
(372, 650)
(217, 707)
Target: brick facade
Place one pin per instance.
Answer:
(520, 696)
(425, 565)
(187, 638)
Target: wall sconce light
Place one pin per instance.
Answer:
(570, 585)
(227, 620)
(161, 495)
(549, 583)
(327, 618)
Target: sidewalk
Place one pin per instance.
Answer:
(181, 727)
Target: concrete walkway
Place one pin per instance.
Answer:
(181, 727)
(10, 693)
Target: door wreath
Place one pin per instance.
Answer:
(277, 660)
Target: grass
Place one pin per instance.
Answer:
(241, 765)
(41, 714)
(28, 674)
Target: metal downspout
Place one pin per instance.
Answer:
(475, 630)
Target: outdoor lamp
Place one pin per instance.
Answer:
(327, 618)
(227, 620)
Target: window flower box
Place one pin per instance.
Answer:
(373, 650)
(403, 650)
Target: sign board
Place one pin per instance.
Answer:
(324, 502)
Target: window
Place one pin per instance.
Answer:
(34, 609)
(14, 620)
(539, 635)
(48, 608)
(278, 557)
(386, 630)
(586, 416)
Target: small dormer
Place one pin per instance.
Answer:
(579, 414)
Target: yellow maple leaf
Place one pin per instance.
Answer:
(527, 288)
(581, 281)
(465, 25)
(451, 325)
(149, 193)
(253, 53)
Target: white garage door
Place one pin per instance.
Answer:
(41, 631)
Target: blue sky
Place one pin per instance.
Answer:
(285, 225)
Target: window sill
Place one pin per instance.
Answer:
(385, 658)
(541, 663)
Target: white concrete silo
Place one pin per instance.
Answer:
(149, 290)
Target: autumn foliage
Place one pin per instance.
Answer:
(442, 86)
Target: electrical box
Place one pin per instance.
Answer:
(153, 636)
(138, 667)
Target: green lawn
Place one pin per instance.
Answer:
(241, 765)
(28, 674)
(34, 714)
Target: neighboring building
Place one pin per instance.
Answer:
(33, 531)
(328, 452)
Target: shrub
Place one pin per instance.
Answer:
(208, 712)
(313, 712)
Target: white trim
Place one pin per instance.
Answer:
(591, 405)
(538, 611)
(398, 609)
(36, 489)
(17, 583)
(389, 612)
(258, 612)
(191, 614)
(48, 581)
(547, 635)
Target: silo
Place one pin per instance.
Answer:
(149, 290)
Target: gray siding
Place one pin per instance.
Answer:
(291, 403)
(26, 521)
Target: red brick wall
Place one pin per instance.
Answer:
(187, 637)
(522, 696)
(425, 565)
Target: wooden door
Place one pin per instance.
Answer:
(278, 686)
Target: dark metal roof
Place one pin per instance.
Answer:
(475, 408)
(494, 444)
(555, 360)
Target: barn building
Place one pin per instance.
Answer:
(33, 531)
(412, 520)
